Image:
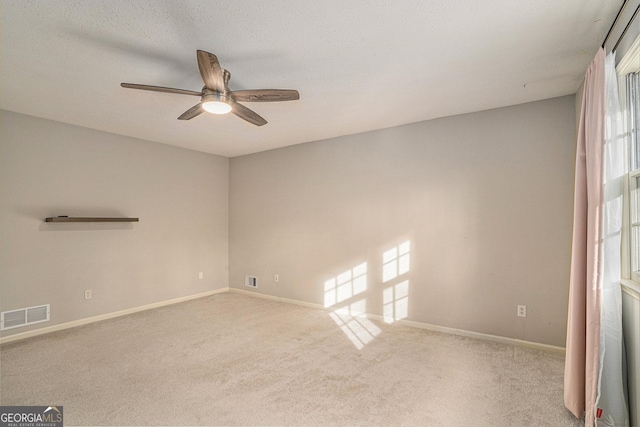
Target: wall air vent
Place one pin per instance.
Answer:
(251, 281)
(23, 317)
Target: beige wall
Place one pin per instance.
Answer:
(485, 200)
(49, 169)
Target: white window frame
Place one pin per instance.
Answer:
(631, 255)
(631, 215)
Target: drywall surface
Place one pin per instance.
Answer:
(452, 222)
(49, 169)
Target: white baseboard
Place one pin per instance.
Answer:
(435, 328)
(279, 299)
(86, 321)
(486, 337)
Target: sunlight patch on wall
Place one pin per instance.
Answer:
(345, 285)
(396, 302)
(395, 261)
(395, 298)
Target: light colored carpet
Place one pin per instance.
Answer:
(230, 359)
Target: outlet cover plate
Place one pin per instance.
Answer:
(522, 311)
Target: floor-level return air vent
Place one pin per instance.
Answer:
(24, 316)
(251, 281)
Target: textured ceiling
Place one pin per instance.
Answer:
(358, 65)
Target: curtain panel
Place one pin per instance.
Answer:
(583, 325)
(595, 358)
(611, 403)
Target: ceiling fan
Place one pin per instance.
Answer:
(217, 98)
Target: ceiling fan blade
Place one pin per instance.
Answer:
(211, 71)
(266, 95)
(247, 114)
(192, 112)
(160, 89)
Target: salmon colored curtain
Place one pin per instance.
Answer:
(583, 325)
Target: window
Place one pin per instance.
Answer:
(628, 70)
(633, 193)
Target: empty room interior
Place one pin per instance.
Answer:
(381, 231)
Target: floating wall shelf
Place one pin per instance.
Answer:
(88, 219)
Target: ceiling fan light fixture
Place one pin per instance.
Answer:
(216, 103)
(217, 98)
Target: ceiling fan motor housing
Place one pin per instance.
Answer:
(209, 95)
(216, 102)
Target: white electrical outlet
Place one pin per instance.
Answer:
(201, 275)
(522, 311)
(87, 294)
(276, 277)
